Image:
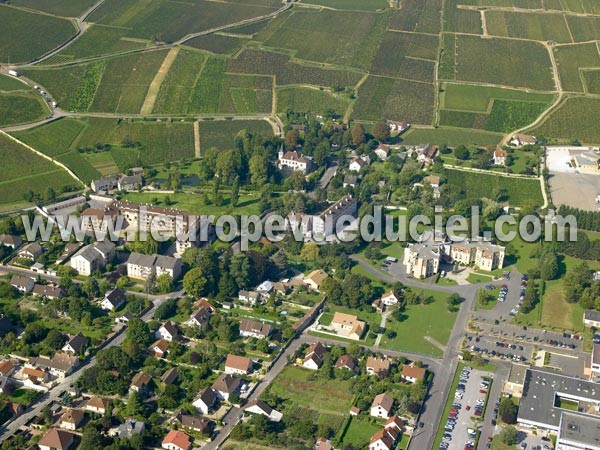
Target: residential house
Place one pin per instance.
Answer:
(96, 405)
(251, 297)
(378, 366)
(314, 356)
(55, 439)
(315, 278)
(591, 318)
(348, 325)
(93, 257)
(141, 383)
(382, 151)
(35, 376)
(254, 328)
(384, 439)
(350, 180)
(10, 240)
(394, 423)
(489, 256)
(398, 127)
(167, 331)
(48, 291)
(30, 251)
(354, 411)
(142, 266)
(200, 317)
(390, 298)
(323, 444)
(59, 365)
(197, 424)
(412, 373)
(433, 181)
(265, 288)
(205, 400)
(130, 183)
(113, 299)
(519, 139)
(7, 368)
(170, 376)
(159, 348)
(107, 183)
(382, 406)
(238, 365)
(499, 157)
(294, 161)
(128, 429)
(22, 284)
(176, 440)
(75, 344)
(347, 362)
(227, 385)
(124, 318)
(427, 153)
(357, 164)
(260, 407)
(71, 419)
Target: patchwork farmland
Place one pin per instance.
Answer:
(474, 75)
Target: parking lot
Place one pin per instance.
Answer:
(468, 401)
(501, 349)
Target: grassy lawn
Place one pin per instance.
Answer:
(475, 278)
(24, 397)
(194, 203)
(299, 386)
(360, 431)
(418, 321)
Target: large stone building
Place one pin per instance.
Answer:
(93, 257)
(142, 266)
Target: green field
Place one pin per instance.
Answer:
(450, 136)
(404, 55)
(168, 21)
(575, 118)
(490, 108)
(465, 97)
(461, 20)
(197, 84)
(25, 36)
(160, 142)
(65, 8)
(352, 5)
(221, 133)
(571, 59)
(22, 107)
(395, 99)
(96, 41)
(418, 321)
(217, 43)
(477, 185)
(421, 16)
(504, 62)
(343, 38)
(331, 396)
(592, 81)
(23, 170)
(8, 83)
(308, 100)
(537, 27)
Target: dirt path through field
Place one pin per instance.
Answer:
(150, 99)
(197, 139)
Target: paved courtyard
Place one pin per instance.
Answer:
(569, 186)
